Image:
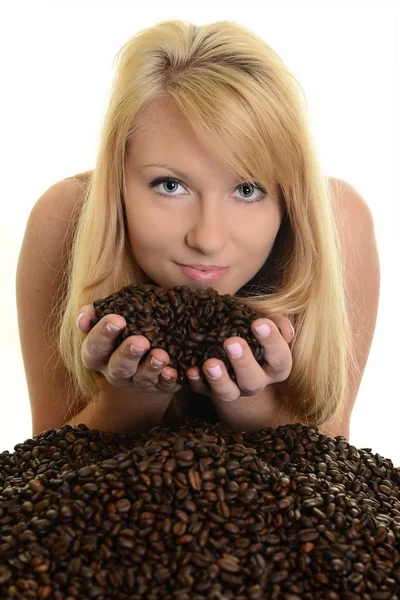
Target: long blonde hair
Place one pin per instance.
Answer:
(213, 71)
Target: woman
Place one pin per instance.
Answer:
(212, 112)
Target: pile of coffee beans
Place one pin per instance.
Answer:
(190, 325)
(198, 512)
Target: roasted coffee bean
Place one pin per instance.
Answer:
(197, 511)
(200, 337)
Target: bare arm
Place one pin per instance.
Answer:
(123, 410)
(357, 233)
(38, 288)
(39, 285)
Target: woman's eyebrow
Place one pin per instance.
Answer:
(174, 170)
(177, 171)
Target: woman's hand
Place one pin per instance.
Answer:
(251, 378)
(125, 367)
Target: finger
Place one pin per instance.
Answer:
(223, 388)
(197, 381)
(86, 314)
(168, 380)
(250, 376)
(100, 342)
(276, 351)
(124, 361)
(149, 374)
(284, 325)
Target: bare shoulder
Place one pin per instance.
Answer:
(79, 181)
(64, 197)
(348, 202)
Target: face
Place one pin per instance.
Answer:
(195, 211)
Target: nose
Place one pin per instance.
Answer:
(208, 227)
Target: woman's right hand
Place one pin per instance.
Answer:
(122, 368)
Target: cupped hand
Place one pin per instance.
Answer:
(125, 367)
(251, 378)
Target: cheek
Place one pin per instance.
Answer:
(259, 235)
(146, 228)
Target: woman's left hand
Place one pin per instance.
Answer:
(251, 377)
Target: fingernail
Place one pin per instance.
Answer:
(235, 350)
(214, 372)
(136, 351)
(263, 330)
(155, 363)
(292, 328)
(194, 378)
(79, 318)
(112, 328)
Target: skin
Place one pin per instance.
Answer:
(203, 217)
(205, 223)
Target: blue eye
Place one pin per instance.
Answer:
(161, 180)
(172, 180)
(251, 187)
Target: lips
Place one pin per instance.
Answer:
(212, 274)
(205, 268)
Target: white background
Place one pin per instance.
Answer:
(56, 68)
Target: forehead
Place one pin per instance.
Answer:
(165, 135)
(163, 110)
(162, 118)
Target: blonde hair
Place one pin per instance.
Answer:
(212, 71)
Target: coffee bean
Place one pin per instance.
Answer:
(5, 574)
(285, 503)
(198, 510)
(228, 565)
(184, 539)
(200, 336)
(36, 486)
(123, 505)
(186, 455)
(231, 528)
(308, 535)
(194, 479)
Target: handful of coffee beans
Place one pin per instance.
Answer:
(190, 325)
(198, 512)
